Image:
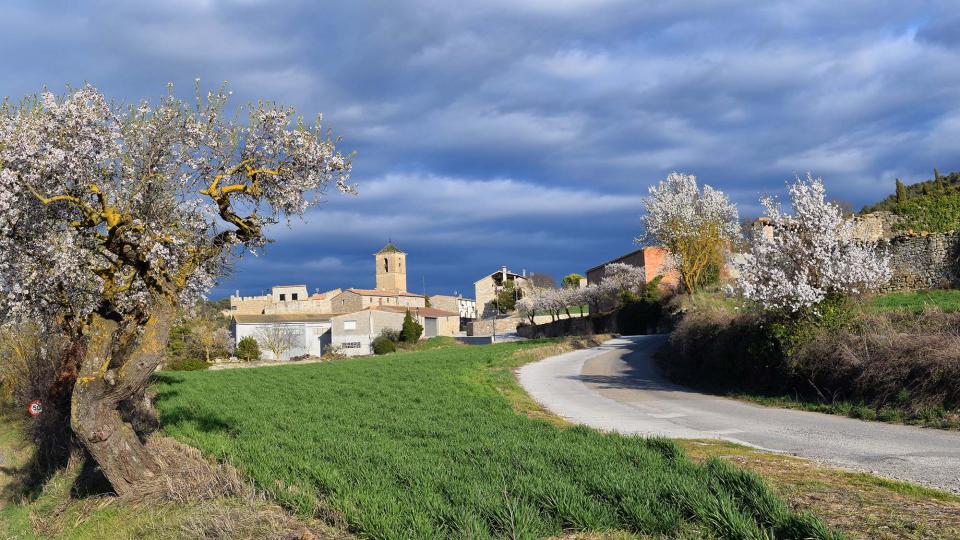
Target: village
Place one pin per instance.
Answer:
(297, 324)
(577, 270)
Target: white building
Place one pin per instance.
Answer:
(300, 333)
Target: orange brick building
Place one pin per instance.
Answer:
(653, 259)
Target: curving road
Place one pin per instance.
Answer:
(617, 387)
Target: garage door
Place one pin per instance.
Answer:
(430, 327)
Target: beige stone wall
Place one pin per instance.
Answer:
(346, 302)
(544, 319)
(391, 271)
(876, 226)
(323, 305)
(411, 301)
(484, 327)
(288, 292)
(349, 301)
(248, 305)
(448, 326)
(445, 302)
(485, 290)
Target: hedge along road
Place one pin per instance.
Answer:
(617, 387)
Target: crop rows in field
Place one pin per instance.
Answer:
(422, 445)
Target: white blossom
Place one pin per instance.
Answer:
(811, 254)
(688, 221)
(618, 278)
(104, 208)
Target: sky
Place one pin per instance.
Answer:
(526, 132)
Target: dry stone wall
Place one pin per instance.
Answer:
(918, 260)
(924, 261)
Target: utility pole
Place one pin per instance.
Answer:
(496, 311)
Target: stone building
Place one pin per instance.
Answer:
(465, 307)
(350, 319)
(486, 289)
(356, 299)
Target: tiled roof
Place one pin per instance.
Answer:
(423, 312)
(321, 296)
(618, 259)
(498, 272)
(390, 248)
(282, 317)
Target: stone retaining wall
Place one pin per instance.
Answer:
(924, 261)
(484, 327)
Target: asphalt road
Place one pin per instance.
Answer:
(617, 387)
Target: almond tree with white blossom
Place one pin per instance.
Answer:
(619, 278)
(696, 226)
(811, 255)
(112, 216)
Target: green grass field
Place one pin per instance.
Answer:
(945, 299)
(426, 445)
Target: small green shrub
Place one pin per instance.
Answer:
(248, 349)
(383, 345)
(187, 364)
(391, 334)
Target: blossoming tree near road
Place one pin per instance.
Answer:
(111, 216)
(696, 226)
(810, 256)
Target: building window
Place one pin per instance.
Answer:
(351, 344)
(349, 325)
(293, 296)
(283, 297)
(386, 264)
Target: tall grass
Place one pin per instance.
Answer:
(423, 445)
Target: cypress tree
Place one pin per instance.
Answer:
(938, 180)
(901, 192)
(411, 329)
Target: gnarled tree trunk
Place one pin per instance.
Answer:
(117, 368)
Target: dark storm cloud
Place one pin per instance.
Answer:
(524, 132)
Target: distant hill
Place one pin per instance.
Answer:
(928, 205)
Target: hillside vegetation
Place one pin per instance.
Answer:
(927, 206)
(428, 445)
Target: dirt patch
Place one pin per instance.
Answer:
(199, 498)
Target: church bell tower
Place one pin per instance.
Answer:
(391, 269)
